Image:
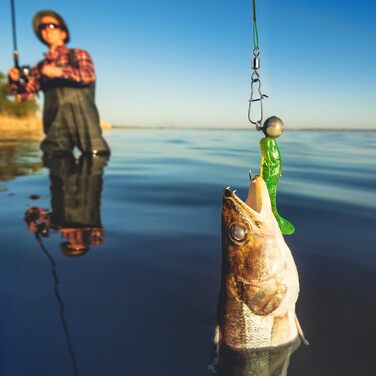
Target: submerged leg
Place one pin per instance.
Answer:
(57, 140)
(87, 125)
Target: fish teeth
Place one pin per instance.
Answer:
(227, 192)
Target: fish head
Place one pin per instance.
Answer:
(259, 267)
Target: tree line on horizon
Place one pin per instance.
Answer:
(10, 107)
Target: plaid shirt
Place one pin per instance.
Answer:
(82, 73)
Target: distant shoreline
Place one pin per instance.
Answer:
(34, 124)
(130, 127)
(30, 127)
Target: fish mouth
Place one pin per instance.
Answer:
(257, 201)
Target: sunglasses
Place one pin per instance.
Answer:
(51, 26)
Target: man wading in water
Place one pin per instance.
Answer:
(67, 78)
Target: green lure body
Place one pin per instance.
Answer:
(271, 170)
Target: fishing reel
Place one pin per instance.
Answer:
(38, 221)
(25, 72)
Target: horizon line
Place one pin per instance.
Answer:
(167, 127)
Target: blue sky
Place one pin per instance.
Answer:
(187, 63)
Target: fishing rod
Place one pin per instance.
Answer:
(14, 34)
(60, 302)
(23, 69)
(37, 220)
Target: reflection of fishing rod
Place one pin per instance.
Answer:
(24, 69)
(61, 304)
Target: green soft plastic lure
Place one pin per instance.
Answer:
(271, 167)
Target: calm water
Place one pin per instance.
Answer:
(142, 299)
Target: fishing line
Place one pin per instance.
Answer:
(255, 32)
(271, 157)
(256, 93)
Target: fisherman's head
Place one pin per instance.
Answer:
(72, 251)
(79, 240)
(77, 243)
(50, 28)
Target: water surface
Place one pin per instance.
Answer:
(142, 299)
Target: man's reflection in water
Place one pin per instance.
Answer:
(76, 187)
(267, 362)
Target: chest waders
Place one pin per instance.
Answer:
(70, 117)
(76, 190)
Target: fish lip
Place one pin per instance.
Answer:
(230, 195)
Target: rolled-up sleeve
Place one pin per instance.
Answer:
(83, 71)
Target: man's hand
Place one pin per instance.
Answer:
(52, 71)
(23, 97)
(14, 74)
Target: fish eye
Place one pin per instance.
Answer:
(237, 232)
